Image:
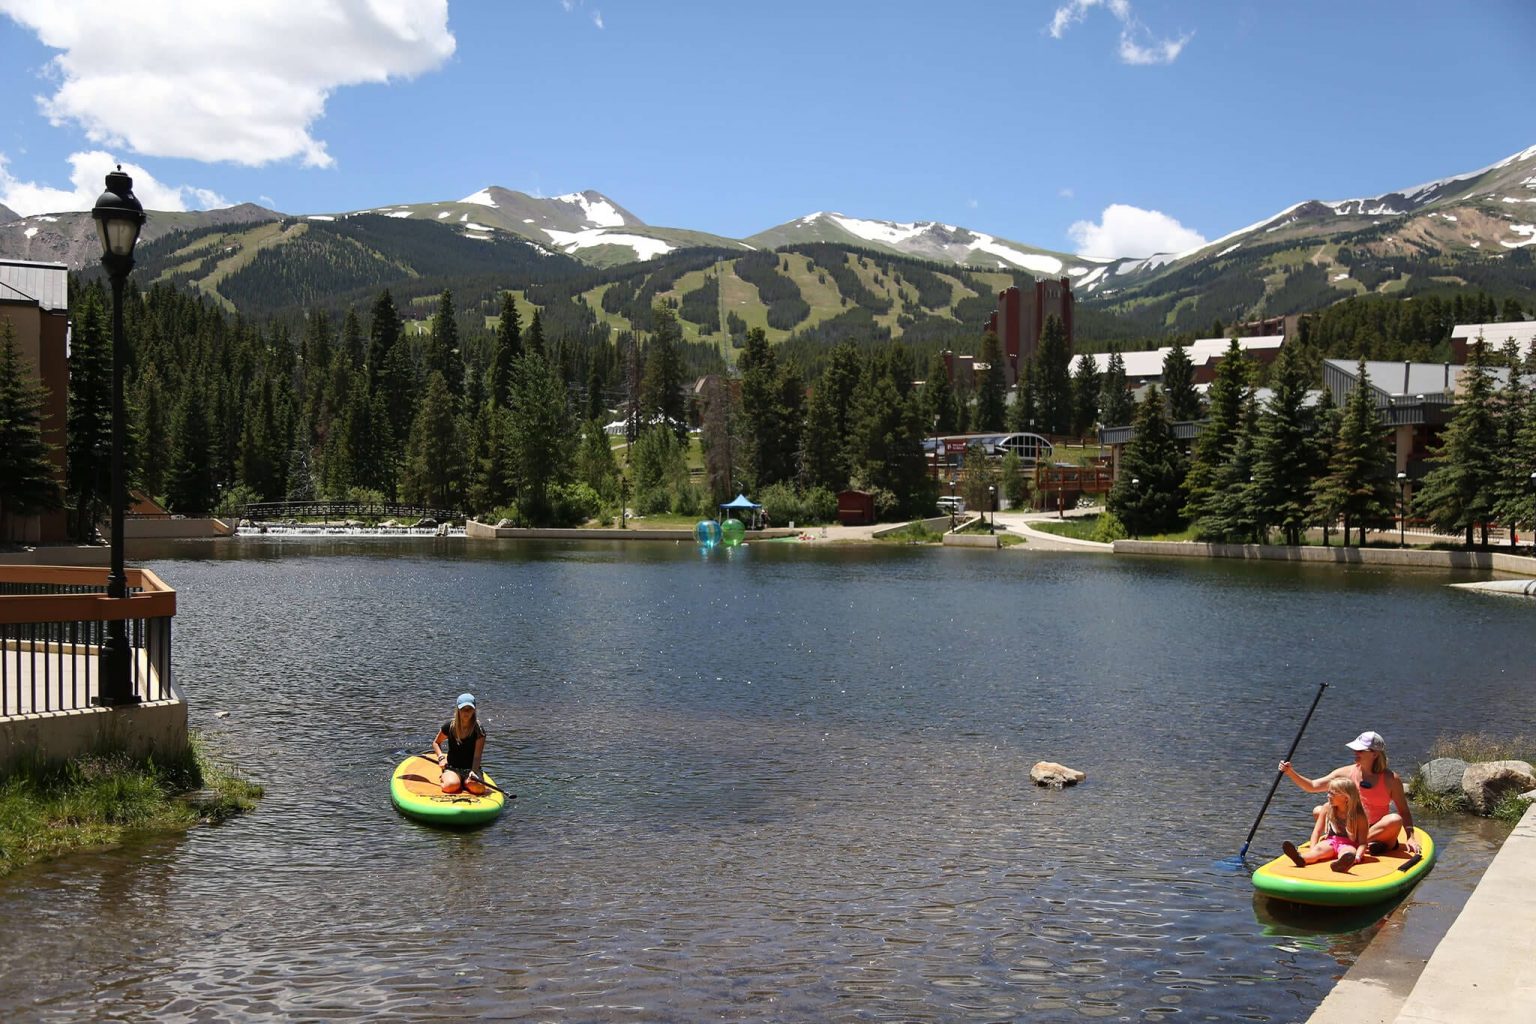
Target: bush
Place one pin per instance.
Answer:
(573, 504)
(785, 505)
(1109, 528)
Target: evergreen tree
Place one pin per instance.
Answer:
(486, 464)
(433, 472)
(533, 341)
(443, 355)
(301, 477)
(1233, 514)
(1026, 409)
(191, 486)
(595, 465)
(152, 425)
(766, 457)
(662, 397)
(939, 397)
(88, 451)
(1459, 493)
(1179, 383)
(1516, 504)
(1358, 485)
(1208, 480)
(541, 437)
(1149, 491)
(27, 475)
(1116, 406)
(1086, 388)
(509, 347)
(1053, 379)
(1288, 453)
(992, 395)
(886, 435)
(383, 335)
(659, 463)
(352, 344)
(717, 438)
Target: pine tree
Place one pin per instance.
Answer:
(509, 347)
(1149, 491)
(533, 341)
(1179, 383)
(662, 398)
(191, 486)
(1053, 380)
(939, 397)
(1086, 388)
(443, 355)
(1516, 504)
(383, 336)
(88, 451)
(433, 470)
(1358, 485)
(1208, 479)
(1459, 493)
(595, 465)
(992, 395)
(1288, 454)
(765, 456)
(153, 428)
(1026, 409)
(1116, 406)
(541, 437)
(28, 484)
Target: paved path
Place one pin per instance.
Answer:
(1480, 973)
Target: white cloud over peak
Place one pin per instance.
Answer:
(1137, 45)
(242, 83)
(1130, 231)
(597, 19)
(87, 177)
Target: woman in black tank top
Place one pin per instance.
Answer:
(465, 741)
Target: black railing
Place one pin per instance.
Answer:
(53, 625)
(267, 511)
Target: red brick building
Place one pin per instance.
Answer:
(1020, 319)
(34, 298)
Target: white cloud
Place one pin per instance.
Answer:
(1131, 231)
(1137, 45)
(1067, 193)
(597, 19)
(224, 82)
(87, 177)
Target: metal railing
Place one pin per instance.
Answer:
(270, 510)
(54, 622)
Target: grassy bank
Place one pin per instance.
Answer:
(1473, 748)
(97, 801)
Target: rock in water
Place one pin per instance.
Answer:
(1489, 782)
(1049, 773)
(1443, 774)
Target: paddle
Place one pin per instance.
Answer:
(487, 783)
(1235, 863)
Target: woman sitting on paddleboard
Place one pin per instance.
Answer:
(466, 742)
(1380, 788)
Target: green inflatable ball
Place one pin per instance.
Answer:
(732, 533)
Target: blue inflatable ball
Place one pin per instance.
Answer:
(707, 533)
(733, 532)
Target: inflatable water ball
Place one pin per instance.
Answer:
(732, 532)
(707, 533)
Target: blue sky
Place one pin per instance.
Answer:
(1109, 127)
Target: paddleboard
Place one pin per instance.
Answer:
(416, 790)
(1370, 880)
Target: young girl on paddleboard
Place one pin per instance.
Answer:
(466, 741)
(1380, 789)
(1339, 833)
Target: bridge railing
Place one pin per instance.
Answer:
(54, 623)
(266, 511)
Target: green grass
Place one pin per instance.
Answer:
(912, 533)
(1473, 748)
(100, 800)
(1083, 528)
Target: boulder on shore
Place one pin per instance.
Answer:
(1443, 774)
(1487, 783)
(1049, 773)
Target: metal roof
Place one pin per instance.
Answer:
(45, 283)
(1149, 364)
(1494, 335)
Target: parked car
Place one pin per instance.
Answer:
(948, 505)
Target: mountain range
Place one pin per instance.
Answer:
(1452, 232)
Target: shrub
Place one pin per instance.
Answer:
(1109, 528)
(573, 504)
(784, 504)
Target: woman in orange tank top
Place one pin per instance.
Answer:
(1380, 791)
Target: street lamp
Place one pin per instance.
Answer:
(992, 501)
(1135, 524)
(623, 502)
(952, 504)
(1402, 509)
(118, 216)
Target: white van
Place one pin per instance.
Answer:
(951, 506)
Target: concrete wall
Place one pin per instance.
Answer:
(934, 525)
(175, 529)
(154, 727)
(972, 540)
(480, 531)
(1409, 558)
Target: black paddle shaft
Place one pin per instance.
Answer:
(1278, 775)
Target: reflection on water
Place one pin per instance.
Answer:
(792, 785)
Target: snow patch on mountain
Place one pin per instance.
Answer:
(481, 198)
(645, 248)
(597, 212)
(472, 226)
(399, 213)
(1520, 229)
(1240, 231)
(879, 230)
(1037, 262)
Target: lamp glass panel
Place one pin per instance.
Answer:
(122, 234)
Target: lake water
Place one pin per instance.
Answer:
(785, 783)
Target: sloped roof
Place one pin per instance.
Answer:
(47, 284)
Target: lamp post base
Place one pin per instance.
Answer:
(113, 669)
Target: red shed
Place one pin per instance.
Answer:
(855, 508)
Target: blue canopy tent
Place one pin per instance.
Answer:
(742, 507)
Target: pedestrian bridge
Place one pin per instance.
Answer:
(276, 511)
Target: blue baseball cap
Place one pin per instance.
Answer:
(466, 700)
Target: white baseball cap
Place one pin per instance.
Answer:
(467, 700)
(1367, 741)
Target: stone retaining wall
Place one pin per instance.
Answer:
(481, 531)
(1412, 558)
(154, 727)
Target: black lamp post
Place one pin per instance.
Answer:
(1135, 523)
(1402, 509)
(952, 504)
(992, 500)
(118, 216)
(623, 502)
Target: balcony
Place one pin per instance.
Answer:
(53, 624)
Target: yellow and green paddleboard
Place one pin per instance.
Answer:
(1372, 879)
(416, 790)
